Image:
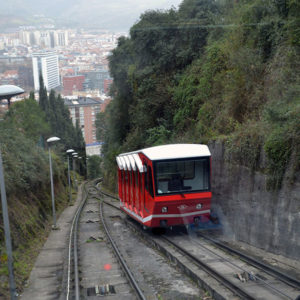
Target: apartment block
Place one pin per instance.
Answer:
(72, 84)
(84, 110)
(46, 64)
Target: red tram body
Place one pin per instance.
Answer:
(166, 185)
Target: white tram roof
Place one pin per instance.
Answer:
(172, 151)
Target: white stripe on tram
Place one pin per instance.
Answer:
(144, 220)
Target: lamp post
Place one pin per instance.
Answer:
(87, 165)
(79, 164)
(51, 140)
(7, 92)
(74, 155)
(12, 285)
(69, 151)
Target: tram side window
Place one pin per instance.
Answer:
(126, 182)
(148, 181)
(140, 182)
(136, 185)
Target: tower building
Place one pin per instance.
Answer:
(46, 64)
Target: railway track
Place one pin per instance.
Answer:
(244, 281)
(289, 280)
(276, 285)
(126, 269)
(106, 260)
(88, 276)
(73, 273)
(155, 275)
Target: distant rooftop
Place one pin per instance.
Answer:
(94, 144)
(82, 101)
(73, 76)
(44, 54)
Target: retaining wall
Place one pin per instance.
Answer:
(265, 219)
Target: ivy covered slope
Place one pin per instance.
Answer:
(210, 70)
(23, 132)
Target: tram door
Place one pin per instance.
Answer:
(148, 199)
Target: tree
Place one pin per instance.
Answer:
(28, 118)
(94, 166)
(43, 97)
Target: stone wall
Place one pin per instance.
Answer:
(265, 219)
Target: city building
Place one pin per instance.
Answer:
(72, 84)
(16, 71)
(84, 110)
(46, 64)
(95, 79)
(106, 84)
(61, 38)
(44, 38)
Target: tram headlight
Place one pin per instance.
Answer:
(164, 209)
(199, 206)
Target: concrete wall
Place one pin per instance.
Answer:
(265, 219)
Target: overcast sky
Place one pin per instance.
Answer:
(109, 14)
(116, 13)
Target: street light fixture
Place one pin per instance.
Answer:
(69, 151)
(51, 140)
(7, 92)
(74, 154)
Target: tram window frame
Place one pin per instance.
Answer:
(194, 159)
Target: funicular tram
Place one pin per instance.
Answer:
(166, 185)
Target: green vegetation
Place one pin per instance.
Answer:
(93, 167)
(58, 116)
(209, 70)
(23, 132)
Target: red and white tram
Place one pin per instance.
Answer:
(166, 185)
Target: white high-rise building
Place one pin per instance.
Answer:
(45, 39)
(36, 36)
(61, 38)
(45, 63)
(25, 37)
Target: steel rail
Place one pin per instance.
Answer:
(227, 283)
(109, 195)
(231, 286)
(293, 282)
(73, 233)
(244, 270)
(236, 290)
(122, 261)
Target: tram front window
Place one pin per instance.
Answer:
(183, 176)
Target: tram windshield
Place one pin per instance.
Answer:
(183, 176)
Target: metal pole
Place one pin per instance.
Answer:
(12, 285)
(52, 191)
(74, 164)
(69, 180)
